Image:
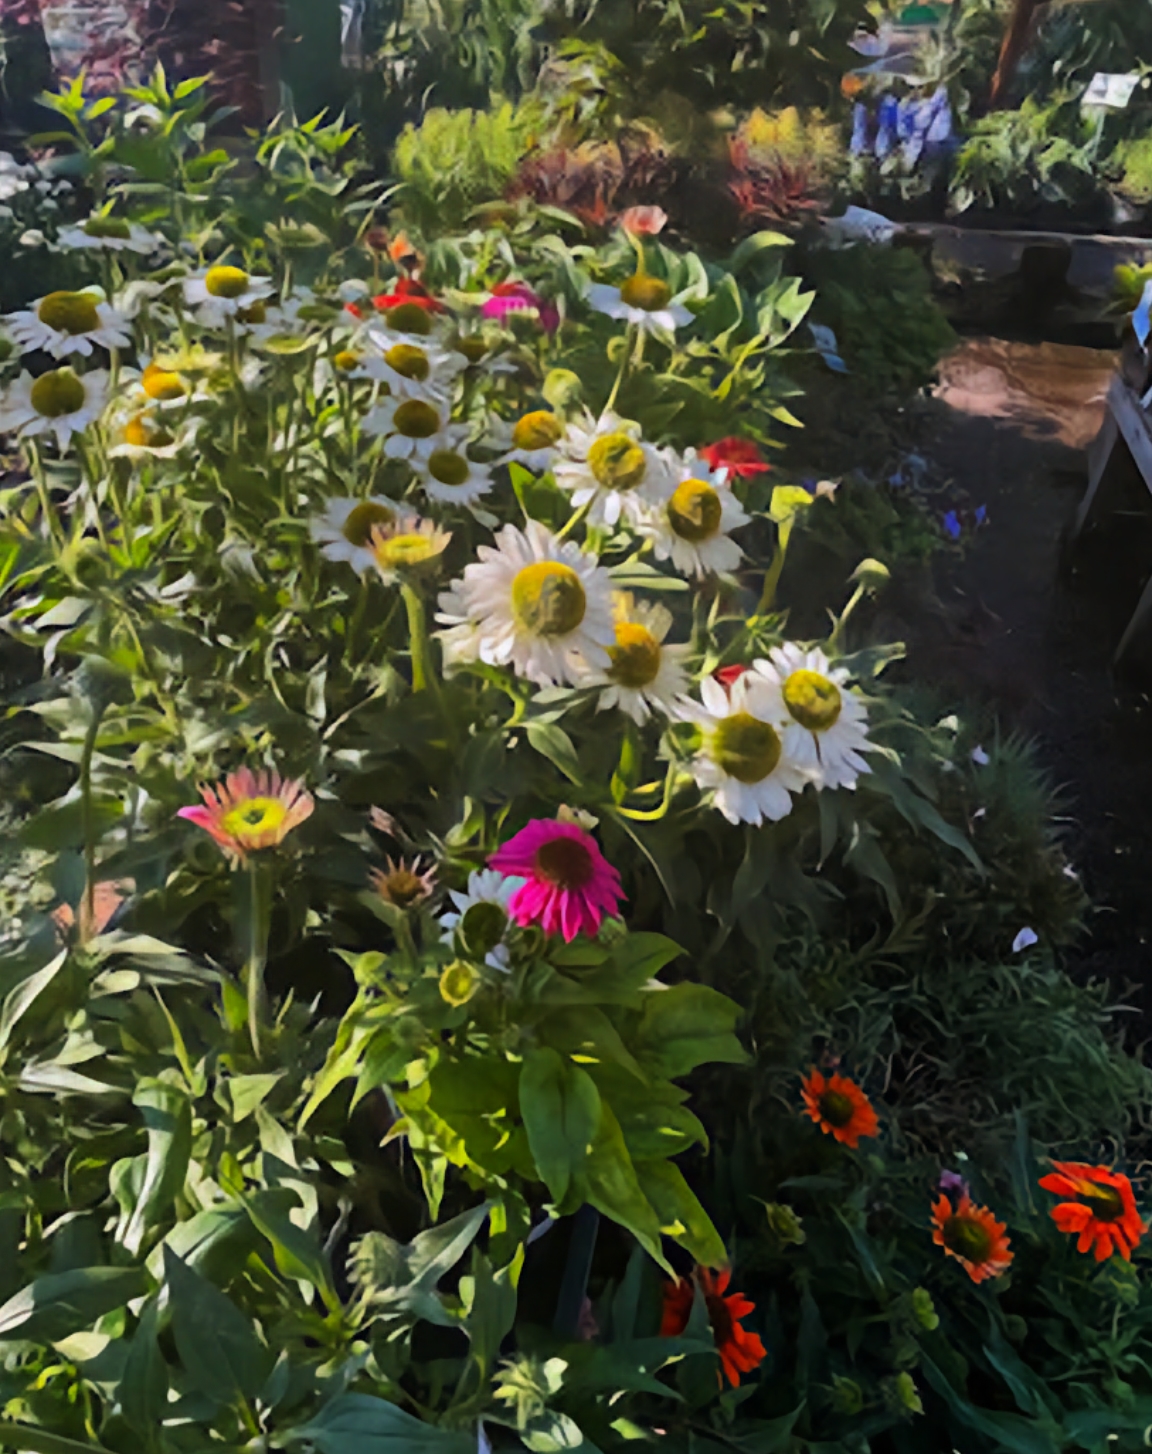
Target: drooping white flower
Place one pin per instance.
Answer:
(531, 441)
(824, 724)
(541, 605)
(223, 292)
(743, 761)
(642, 301)
(412, 369)
(344, 531)
(604, 464)
(481, 916)
(60, 402)
(109, 234)
(645, 674)
(413, 429)
(65, 323)
(691, 526)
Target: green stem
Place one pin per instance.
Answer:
(573, 520)
(55, 529)
(625, 356)
(771, 582)
(837, 637)
(88, 823)
(422, 673)
(259, 927)
(40, 1441)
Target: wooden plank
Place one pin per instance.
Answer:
(1139, 617)
(1134, 425)
(1099, 457)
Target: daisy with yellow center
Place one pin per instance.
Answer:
(412, 369)
(59, 402)
(344, 531)
(67, 323)
(531, 441)
(139, 436)
(605, 465)
(109, 234)
(691, 526)
(450, 477)
(742, 761)
(532, 602)
(645, 675)
(824, 724)
(413, 429)
(407, 546)
(250, 811)
(643, 301)
(223, 291)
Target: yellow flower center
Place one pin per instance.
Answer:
(363, 519)
(226, 282)
(409, 318)
(107, 227)
(255, 312)
(408, 361)
(416, 420)
(57, 393)
(393, 552)
(812, 699)
(649, 294)
(253, 819)
(448, 467)
(635, 657)
(141, 433)
(617, 461)
(967, 1238)
(694, 511)
(836, 1108)
(71, 313)
(548, 599)
(347, 361)
(161, 383)
(473, 346)
(745, 748)
(458, 983)
(538, 430)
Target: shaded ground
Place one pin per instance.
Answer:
(1010, 621)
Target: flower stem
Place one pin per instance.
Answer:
(625, 357)
(835, 641)
(422, 673)
(259, 928)
(88, 826)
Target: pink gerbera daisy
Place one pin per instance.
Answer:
(249, 811)
(571, 887)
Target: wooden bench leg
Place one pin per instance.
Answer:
(1099, 457)
(1139, 617)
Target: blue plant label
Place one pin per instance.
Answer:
(827, 347)
(1142, 318)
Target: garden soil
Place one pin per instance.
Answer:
(1016, 620)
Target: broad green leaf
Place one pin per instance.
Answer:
(18, 1000)
(143, 1390)
(561, 1109)
(298, 1255)
(53, 1307)
(207, 1241)
(681, 1215)
(553, 742)
(167, 1115)
(357, 1423)
(615, 1190)
(217, 1344)
(686, 1026)
(249, 1091)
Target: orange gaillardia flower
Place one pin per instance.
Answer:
(1100, 1208)
(249, 811)
(973, 1236)
(740, 1351)
(839, 1107)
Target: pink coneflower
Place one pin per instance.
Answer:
(571, 887)
(508, 298)
(643, 221)
(249, 811)
(739, 457)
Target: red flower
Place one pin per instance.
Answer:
(839, 1107)
(726, 675)
(739, 457)
(973, 1236)
(408, 291)
(740, 1351)
(1101, 1208)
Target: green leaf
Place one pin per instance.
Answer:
(553, 742)
(18, 1000)
(614, 1188)
(143, 1391)
(249, 1091)
(297, 1254)
(218, 1346)
(357, 1423)
(167, 1117)
(681, 1215)
(59, 1305)
(686, 1026)
(561, 1109)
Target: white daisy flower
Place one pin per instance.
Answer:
(222, 292)
(142, 436)
(450, 477)
(530, 442)
(110, 234)
(645, 674)
(61, 402)
(743, 761)
(691, 524)
(824, 725)
(412, 369)
(643, 301)
(292, 318)
(481, 917)
(414, 429)
(344, 531)
(605, 465)
(541, 605)
(64, 323)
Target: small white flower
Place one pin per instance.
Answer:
(530, 442)
(691, 525)
(344, 531)
(65, 323)
(413, 429)
(110, 234)
(61, 402)
(743, 761)
(223, 292)
(1025, 940)
(482, 915)
(605, 465)
(32, 238)
(645, 674)
(645, 302)
(13, 177)
(413, 368)
(824, 725)
(541, 605)
(980, 757)
(449, 476)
